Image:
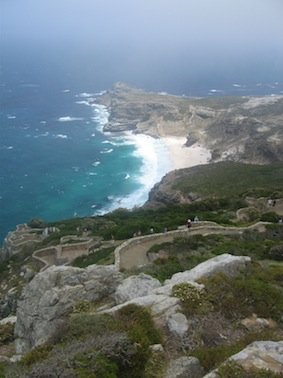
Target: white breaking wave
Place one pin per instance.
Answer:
(11, 116)
(83, 102)
(108, 151)
(155, 164)
(101, 116)
(85, 95)
(95, 163)
(216, 91)
(66, 90)
(61, 136)
(69, 119)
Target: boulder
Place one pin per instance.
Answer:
(227, 264)
(8, 320)
(255, 324)
(51, 295)
(134, 287)
(266, 355)
(178, 324)
(261, 355)
(184, 367)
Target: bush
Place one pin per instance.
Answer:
(37, 354)
(276, 252)
(6, 333)
(233, 370)
(212, 357)
(269, 217)
(241, 296)
(194, 301)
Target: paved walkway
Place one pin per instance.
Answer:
(133, 252)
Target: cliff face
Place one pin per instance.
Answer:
(245, 129)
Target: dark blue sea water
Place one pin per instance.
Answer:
(55, 160)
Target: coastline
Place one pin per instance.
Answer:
(182, 156)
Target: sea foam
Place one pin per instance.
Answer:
(69, 119)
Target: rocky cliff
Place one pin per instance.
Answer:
(246, 129)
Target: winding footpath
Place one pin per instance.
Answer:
(133, 252)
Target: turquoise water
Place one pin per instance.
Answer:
(57, 163)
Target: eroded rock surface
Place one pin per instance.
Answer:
(134, 287)
(227, 264)
(266, 355)
(185, 367)
(50, 296)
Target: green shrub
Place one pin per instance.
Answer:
(82, 325)
(37, 354)
(103, 257)
(94, 365)
(194, 301)
(6, 333)
(212, 357)
(269, 217)
(137, 316)
(233, 370)
(244, 295)
(276, 252)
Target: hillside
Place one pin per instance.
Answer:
(200, 295)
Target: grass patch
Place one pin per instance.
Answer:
(104, 256)
(211, 357)
(233, 370)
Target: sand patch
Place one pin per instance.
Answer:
(184, 157)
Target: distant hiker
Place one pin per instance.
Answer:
(165, 230)
(196, 220)
(151, 230)
(280, 220)
(189, 223)
(274, 203)
(270, 202)
(139, 233)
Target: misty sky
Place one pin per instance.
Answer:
(159, 37)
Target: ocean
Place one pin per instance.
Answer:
(56, 162)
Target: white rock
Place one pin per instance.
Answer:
(134, 287)
(267, 355)
(178, 324)
(50, 296)
(9, 319)
(262, 355)
(227, 264)
(184, 367)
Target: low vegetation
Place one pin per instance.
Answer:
(92, 345)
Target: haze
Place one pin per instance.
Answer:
(148, 43)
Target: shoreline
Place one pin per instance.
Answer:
(182, 156)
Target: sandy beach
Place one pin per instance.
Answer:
(184, 157)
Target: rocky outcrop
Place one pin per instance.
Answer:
(184, 367)
(49, 298)
(15, 241)
(51, 295)
(227, 264)
(266, 355)
(134, 287)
